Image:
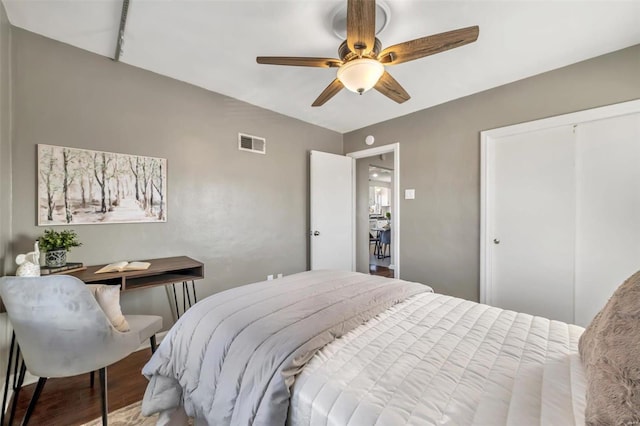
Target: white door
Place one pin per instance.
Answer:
(331, 211)
(608, 210)
(533, 223)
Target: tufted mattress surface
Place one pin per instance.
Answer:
(439, 360)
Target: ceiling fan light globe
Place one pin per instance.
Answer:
(360, 75)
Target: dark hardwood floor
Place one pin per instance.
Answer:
(381, 270)
(71, 401)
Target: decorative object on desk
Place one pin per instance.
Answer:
(124, 266)
(56, 245)
(29, 264)
(93, 187)
(64, 269)
(55, 257)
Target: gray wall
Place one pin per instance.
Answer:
(5, 165)
(440, 158)
(5, 139)
(244, 215)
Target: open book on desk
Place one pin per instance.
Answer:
(123, 267)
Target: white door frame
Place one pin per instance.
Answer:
(395, 218)
(487, 146)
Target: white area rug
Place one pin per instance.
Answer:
(126, 416)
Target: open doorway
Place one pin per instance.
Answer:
(380, 209)
(376, 187)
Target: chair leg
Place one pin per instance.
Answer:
(16, 394)
(382, 254)
(92, 379)
(6, 378)
(34, 400)
(152, 341)
(103, 394)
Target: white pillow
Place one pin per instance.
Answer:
(108, 297)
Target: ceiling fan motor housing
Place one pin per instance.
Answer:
(346, 54)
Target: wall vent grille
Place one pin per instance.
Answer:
(252, 143)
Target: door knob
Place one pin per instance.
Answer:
(496, 241)
(316, 233)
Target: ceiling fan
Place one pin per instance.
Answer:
(362, 60)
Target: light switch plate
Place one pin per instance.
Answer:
(409, 194)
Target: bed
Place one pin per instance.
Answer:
(342, 348)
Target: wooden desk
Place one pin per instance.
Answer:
(163, 271)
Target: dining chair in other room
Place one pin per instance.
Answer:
(62, 331)
(385, 244)
(375, 241)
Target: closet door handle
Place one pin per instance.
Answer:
(496, 241)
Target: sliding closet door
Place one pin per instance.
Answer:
(532, 207)
(608, 210)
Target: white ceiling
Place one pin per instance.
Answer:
(213, 44)
(380, 174)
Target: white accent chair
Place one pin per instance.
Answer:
(62, 332)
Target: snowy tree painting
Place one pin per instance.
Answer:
(82, 186)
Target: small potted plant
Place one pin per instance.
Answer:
(56, 245)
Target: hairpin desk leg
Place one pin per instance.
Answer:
(184, 299)
(186, 287)
(175, 299)
(186, 296)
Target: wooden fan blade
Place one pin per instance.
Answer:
(425, 46)
(328, 93)
(361, 26)
(300, 62)
(389, 87)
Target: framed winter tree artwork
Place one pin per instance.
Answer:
(80, 186)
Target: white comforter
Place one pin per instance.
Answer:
(435, 359)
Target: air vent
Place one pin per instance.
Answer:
(252, 143)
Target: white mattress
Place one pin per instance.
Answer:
(434, 359)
